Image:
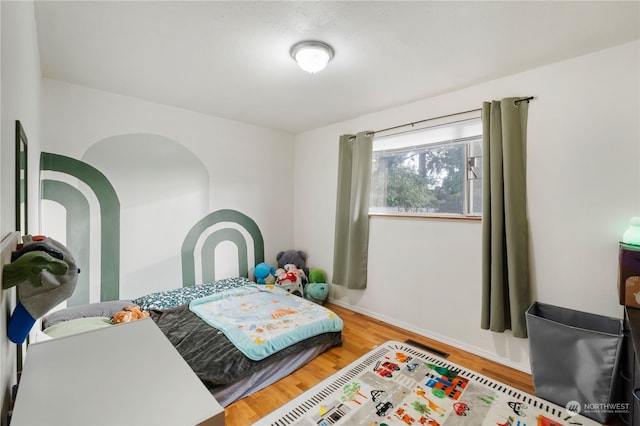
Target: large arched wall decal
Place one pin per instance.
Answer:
(109, 216)
(77, 225)
(219, 216)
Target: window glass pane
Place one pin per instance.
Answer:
(475, 177)
(431, 171)
(475, 207)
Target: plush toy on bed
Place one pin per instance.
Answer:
(317, 290)
(128, 314)
(291, 279)
(295, 257)
(264, 273)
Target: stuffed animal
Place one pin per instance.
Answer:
(45, 274)
(291, 279)
(264, 273)
(129, 313)
(317, 276)
(317, 290)
(295, 257)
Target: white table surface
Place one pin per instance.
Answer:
(127, 374)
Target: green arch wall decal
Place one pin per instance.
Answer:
(225, 215)
(78, 238)
(209, 252)
(109, 217)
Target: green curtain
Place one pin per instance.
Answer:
(351, 242)
(505, 230)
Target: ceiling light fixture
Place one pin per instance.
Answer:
(312, 56)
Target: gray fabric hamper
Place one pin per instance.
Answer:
(574, 357)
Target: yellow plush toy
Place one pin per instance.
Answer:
(129, 313)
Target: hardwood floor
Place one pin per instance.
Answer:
(360, 334)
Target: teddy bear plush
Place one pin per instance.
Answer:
(129, 313)
(294, 257)
(264, 273)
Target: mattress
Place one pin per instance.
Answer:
(220, 365)
(212, 356)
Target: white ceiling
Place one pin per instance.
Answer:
(231, 59)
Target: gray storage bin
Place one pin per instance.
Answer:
(574, 357)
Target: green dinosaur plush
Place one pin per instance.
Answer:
(28, 267)
(42, 280)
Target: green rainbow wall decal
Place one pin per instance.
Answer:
(218, 236)
(209, 252)
(77, 231)
(77, 225)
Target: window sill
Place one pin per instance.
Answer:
(426, 216)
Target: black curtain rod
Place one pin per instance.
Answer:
(516, 102)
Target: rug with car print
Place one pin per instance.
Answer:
(398, 384)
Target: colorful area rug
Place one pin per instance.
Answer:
(398, 384)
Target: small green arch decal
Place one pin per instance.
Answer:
(209, 252)
(225, 234)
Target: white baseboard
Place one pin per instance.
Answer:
(435, 336)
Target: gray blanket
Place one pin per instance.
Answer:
(214, 359)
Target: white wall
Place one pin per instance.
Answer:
(583, 186)
(21, 78)
(20, 100)
(244, 165)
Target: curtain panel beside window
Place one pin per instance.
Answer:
(351, 243)
(505, 229)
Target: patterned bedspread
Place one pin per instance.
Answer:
(214, 359)
(263, 319)
(209, 353)
(179, 296)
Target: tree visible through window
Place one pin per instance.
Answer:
(432, 171)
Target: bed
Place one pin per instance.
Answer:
(228, 372)
(225, 370)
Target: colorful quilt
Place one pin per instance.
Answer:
(263, 319)
(397, 384)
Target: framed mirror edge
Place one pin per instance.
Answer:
(21, 177)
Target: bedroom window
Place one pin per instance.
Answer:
(432, 171)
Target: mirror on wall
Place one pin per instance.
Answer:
(21, 179)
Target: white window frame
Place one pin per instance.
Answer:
(463, 128)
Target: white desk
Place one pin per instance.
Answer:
(128, 374)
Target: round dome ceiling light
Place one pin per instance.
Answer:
(312, 56)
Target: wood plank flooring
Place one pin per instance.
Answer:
(360, 334)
